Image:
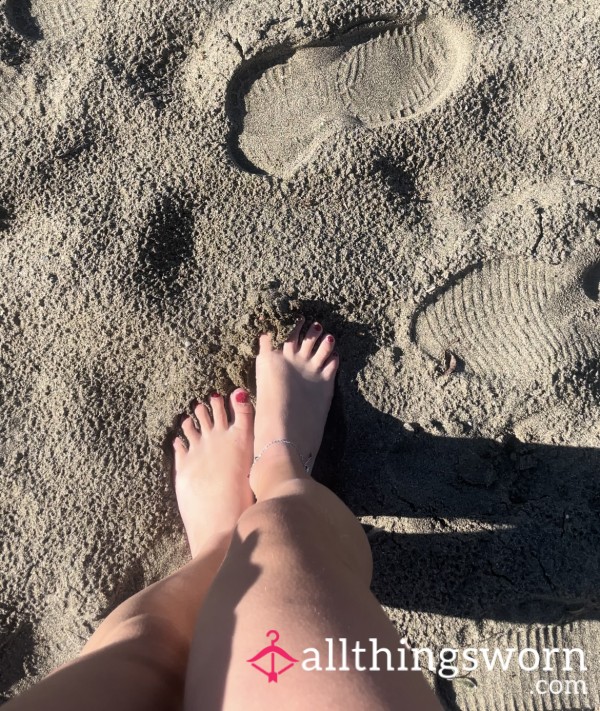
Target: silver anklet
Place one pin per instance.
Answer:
(306, 463)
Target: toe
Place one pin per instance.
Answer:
(308, 342)
(292, 342)
(242, 412)
(324, 350)
(203, 416)
(265, 344)
(217, 404)
(331, 365)
(189, 430)
(180, 451)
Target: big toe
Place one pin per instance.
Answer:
(265, 344)
(242, 411)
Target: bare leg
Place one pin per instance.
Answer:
(299, 564)
(136, 659)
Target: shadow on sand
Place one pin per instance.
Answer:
(505, 530)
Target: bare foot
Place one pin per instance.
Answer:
(211, 476)
(294, 389)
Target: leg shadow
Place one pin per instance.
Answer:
(211, 652)
(493, 530)
(16, 649)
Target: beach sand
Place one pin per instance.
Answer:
(423, 178)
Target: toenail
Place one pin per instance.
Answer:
(215, 395)
(330, 339)
(317, 326)
(242, 396)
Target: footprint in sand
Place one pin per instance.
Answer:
(514, 317)
(16, 98)
(165, 246)
(49, 19)
(557, 657)
(283, 109)
(36, 20)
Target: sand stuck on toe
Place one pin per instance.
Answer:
(176, 176)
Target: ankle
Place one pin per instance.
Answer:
(276, 465)
(213, 546)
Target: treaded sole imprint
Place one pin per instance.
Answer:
(399, 74)
(50, 19)
(283, 110)
(509, 317)
(15, 99)
(556, 689)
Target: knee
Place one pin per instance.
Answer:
(312, 527)
(152, 641)
(284, 516)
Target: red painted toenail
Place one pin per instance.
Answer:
(215, 395)
(330, 339)
(317, 326)
(242, 396)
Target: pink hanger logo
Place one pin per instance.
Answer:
(272, 650)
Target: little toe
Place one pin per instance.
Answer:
(180, 451)
(190, 431)
(203, 416)
(324, 350)
(219, 412)
(292, 342)
(241, 410)
(308, 342)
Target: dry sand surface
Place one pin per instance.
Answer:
(424, 178)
